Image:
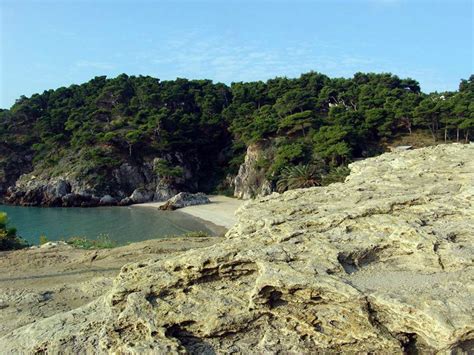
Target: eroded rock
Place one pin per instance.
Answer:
(381, 263)
(107, 200)
(184, 199)
(141, 195)
(251, 179)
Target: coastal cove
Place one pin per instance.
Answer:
(122, 224)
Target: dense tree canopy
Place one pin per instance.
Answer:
(96, 126)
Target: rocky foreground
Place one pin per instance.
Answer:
(382, 263)
(39, 282)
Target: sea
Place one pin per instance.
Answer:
(123, 225)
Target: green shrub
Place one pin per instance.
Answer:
(337, 174)
(164, 169)
(199, 234)
(102, 241)
(299, 176)
(43, 239)
(8, 238)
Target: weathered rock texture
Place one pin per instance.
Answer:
(382, 263)
(184, 199)
(53, 278)
(251, 179)
(127, 184)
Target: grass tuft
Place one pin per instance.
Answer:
(102, 241)
(198, 234)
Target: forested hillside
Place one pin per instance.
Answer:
(149, 138)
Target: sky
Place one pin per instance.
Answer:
(47, 44)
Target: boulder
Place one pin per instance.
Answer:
(57, 189)
(184, 199)
(167, 206)
(54, 191)
(379, 264)
(164, 192)
(69, 200)
(107, 200)
(55, 244)
(141, 195)
(125, 201)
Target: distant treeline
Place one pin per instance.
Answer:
(94, 127)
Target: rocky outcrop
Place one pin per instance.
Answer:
(128, 184)
(381, 263)
(41, 281)
(32, 190)
(251, 179)
(184, 199)
(141, 195)
(107, 200)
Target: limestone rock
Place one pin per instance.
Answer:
(137, 181)
(164, 192)
(107, 200)
(251, 180)
(125, 201)
(57, 189)
(129, 176)
(50, 245)
(184, 199)
(141, 195)
(382, 263)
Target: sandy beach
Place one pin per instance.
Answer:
(221, 210)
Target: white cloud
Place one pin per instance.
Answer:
(220, 59)
(94, 65)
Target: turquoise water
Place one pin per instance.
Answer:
(121, 224)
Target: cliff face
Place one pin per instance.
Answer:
(130, 182)
(251, 179)
(381, 263)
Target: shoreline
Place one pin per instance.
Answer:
(219, 215)
(215, 218)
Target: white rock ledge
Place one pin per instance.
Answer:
(382, 263)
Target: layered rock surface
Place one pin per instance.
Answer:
(127, 184)
(381, 263)
(251, 179)
(184, 199)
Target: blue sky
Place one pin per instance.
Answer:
(47, 44)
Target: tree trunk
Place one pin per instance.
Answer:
(445, 134)
(457, 134)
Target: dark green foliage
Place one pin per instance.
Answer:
(8, 238)
(198, 234)
(288, 153)
(166, 171)
(91, 129)
(337, 174)
(102, 241)
(299, 176)
(342, 119)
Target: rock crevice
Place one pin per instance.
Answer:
(381, 263)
